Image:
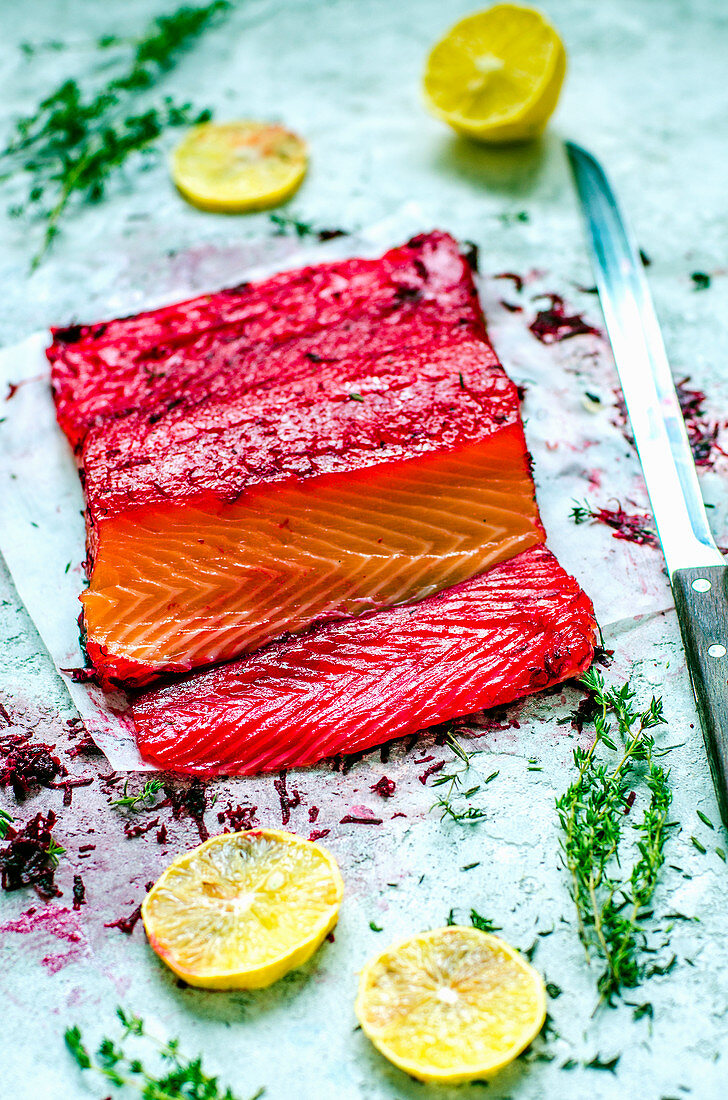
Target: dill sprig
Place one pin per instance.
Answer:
(184, 1080)
(74, 140)
(454, 801)
(143, 799)
(612, 902)
(5, 819)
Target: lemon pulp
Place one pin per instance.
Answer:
(451, 1005)
(242, 909)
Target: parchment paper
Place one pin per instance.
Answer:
(41, 504)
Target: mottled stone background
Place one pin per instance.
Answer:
(647, 92)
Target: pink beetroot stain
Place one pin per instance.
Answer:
(54, 963)
(59, 922)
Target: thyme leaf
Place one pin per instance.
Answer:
(612, 901)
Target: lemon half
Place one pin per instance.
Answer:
(231, 167)
(451, 1005)
(496, 76)
(242, 909)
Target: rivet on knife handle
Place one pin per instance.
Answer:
(701, 599)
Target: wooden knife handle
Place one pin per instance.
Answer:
(701, 599)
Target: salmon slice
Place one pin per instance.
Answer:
(348, 686)
(250, 336)
(259, 487)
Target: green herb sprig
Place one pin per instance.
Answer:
(54, 852)
(184, 1080)
(74, 140)
(454, 802)
(611, 899)
(5, 819)
(287, 225)
(143, 799)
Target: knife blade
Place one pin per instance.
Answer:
(697, 569)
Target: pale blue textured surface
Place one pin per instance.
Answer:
(647, 93)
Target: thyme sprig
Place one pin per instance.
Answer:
(454, 801)
(611, 901)
(74, 140)
(184, 1080)
(143, 799)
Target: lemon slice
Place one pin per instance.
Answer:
(242, 909)
(231, 167)
(451, 1005)
(496, 76)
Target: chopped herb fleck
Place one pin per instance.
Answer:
(608, 1065)
(483, 924)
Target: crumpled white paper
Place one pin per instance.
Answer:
(576, 452)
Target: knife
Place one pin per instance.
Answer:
(697, 569)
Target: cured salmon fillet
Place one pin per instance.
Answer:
(323, 444)
(344, 687)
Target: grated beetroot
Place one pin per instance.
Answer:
(313, 814)
(132, 831)
(27, 765)
(86, 746)
(129, 923)
(289, 801)
(517, 280)
(79, 892)
(25, 859)
(318, 834)
(187, 800)
(352, 819)
(554, 324)
(629, 526)
(703, 430)
(126, 924)
(384, 787)
(431, 771)
(239, 818)
(68, 785)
